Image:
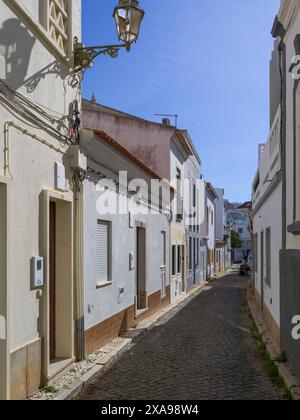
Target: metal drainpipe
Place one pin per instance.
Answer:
(78, 275)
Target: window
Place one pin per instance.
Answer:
(103, 252)
(212, 217)
(198, 252)
(178, 177)
(174, 260)
(197, 212)
(268, 257)
(164, 249)
(160, 200)
(191, 254)
(240, 231)
(207, 218)
(179, 259)
(56, 21)
(255, 252)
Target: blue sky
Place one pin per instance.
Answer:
(205, 60)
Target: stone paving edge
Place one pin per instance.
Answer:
(289, 379)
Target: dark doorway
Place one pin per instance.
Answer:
(52, 285)
(262, 283)
(141, 269)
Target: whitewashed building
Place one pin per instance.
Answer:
(267, 229)
(164, 149)
(38, 109)
(287, 34)
(221, 244)
(211, 197)
(237, 218)
(192, 174)
(126, 240)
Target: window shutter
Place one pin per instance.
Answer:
(102, 251)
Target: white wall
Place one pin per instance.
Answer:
(31, 65)
(177, 159)
(32, 164)
(293, 241)
(220, 214)
(104, 301)
(269, 216)
(211, 243)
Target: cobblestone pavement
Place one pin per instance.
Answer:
(205, 351)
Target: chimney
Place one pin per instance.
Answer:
(166, 121)
(94, 100)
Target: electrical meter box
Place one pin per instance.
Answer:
(37, 272)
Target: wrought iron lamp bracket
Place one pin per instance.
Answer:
(84, 56)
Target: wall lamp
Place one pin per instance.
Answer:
(128, 16)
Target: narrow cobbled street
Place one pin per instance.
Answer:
(206, 351)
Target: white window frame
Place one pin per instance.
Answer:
(164, 249)
(105, 282)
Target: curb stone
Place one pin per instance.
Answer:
(289, 379)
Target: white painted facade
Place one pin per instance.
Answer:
(220, 264)
(267, 214)
(289, 16)
(203, 229)
(192, 174)
(105, 299)
(211, 229)
(178, 156)
(238, 220)
(34, 63)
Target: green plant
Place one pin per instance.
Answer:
(270, 364)
(236, 241)
(50, 390)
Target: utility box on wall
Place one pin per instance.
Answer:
(60, 177)
(79, 160)
(37, 272)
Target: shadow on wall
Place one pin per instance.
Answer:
(16, 44)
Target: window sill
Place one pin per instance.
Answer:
(294, 228)
(103, 284)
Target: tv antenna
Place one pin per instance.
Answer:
(168, 116)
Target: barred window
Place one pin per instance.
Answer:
(56, 19)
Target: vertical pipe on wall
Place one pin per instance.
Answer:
(4, 298)
(78, 273)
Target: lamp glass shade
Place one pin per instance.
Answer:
(128, 16)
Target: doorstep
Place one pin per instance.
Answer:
(58, 368)
(84, 373)
(289, 379)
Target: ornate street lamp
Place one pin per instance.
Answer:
(128, 16)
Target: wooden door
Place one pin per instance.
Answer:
(52, 283)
